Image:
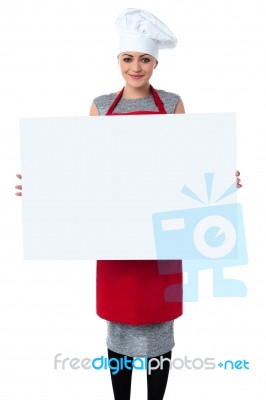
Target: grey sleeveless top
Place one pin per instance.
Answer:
(145, 103)
(149, 340)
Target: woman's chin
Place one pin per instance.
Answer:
(136, 84)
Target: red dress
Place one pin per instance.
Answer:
(139, 292)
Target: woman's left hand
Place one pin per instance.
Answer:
(238, 180)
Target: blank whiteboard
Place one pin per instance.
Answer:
(92, 184)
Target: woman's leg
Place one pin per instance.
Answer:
(121, 378)
(157, 379)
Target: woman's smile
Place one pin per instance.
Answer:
(136, 76)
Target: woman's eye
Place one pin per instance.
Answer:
(127, 59)
(145, 60)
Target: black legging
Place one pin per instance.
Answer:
(156, 380)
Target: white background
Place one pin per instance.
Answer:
(56, 55)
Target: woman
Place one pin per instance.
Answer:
(140, 321)
(130, 294)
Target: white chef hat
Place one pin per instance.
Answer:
(142, 32)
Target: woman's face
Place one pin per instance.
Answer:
(136, 68)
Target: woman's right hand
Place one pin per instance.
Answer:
(19, 187)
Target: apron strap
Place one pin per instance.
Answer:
(158, 101)
(115, 102)
(155, 95)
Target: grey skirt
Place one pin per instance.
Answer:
(149, 340)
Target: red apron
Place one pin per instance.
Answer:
(139, 292)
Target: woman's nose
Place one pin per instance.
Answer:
(136, 67)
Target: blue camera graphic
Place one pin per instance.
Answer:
(205, 235)
(208, 237)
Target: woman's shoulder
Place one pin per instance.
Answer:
(168, 95)
(104, 97)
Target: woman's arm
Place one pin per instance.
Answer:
(93, 110)
(179, 108)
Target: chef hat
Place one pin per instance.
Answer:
(142, 32)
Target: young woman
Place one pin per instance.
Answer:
(130, 293)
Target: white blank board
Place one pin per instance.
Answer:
(91, 184)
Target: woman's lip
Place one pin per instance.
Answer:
(136, 76)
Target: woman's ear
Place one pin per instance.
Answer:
(156, 64)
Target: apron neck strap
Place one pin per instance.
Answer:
(157, 101)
